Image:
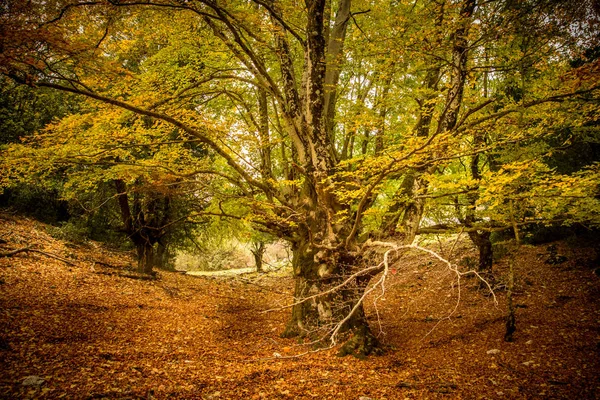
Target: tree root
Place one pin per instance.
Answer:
(362, 344)
(292, 330)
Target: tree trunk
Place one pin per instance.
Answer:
(302, 312)
(143, 224)
(484, 246)
(161, 257)
(481, 240)
(406, 206)
(413, 212)
(486, 254)
(317, 313)
(321, 260)
(145, 253)
(258, 251)
(362, 342)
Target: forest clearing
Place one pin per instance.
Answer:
(90, 332)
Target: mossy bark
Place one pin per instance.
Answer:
(318, 310)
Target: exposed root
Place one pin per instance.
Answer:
(362, 344)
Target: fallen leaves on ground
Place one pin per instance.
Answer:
(92, 331)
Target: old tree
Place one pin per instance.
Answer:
(332, 124)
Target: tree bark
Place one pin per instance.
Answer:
(319, 309)
(143, 223)
(321, 258)
(145, 254)
(161, 256)
(484, 247)
(334, 60)
(258, 251)
(480, 239)
(460, 53)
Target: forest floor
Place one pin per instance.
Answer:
(90, 330)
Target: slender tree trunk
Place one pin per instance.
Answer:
(264, 135)
(258, 251)
(480, 239)
(460, 55)
(408, 207)
(334, 59)
(511, 321)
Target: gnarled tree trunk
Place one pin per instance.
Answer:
(144, 226)
(323, 309)
(321, 256)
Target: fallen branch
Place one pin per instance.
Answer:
(13, 252)
(143, 277)
(383, 267)
(29, 249)
(107, 265)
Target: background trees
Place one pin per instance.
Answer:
(23, 111)
(324, 123)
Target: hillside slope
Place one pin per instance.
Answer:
(90, 330)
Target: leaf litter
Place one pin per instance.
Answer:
(92, 331)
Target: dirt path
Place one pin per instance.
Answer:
(223, 273)
(91, 333)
